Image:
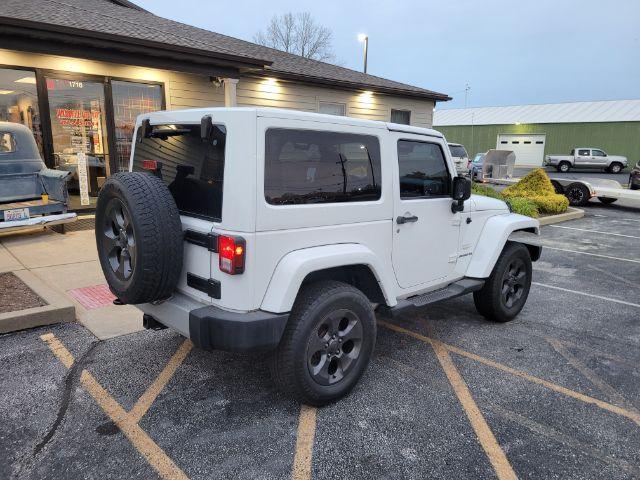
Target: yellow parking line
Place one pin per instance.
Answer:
(304, 443)
(485, 436)
(148, 397)
(156, 457)
(552, 386)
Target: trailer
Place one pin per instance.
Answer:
(580, 190)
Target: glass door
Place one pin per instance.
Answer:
(131, 99)
(78, 127)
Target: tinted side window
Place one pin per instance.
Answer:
(306, 166)
(583, 153)
(423, 170)
(598, 153)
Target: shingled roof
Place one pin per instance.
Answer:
(125, 22)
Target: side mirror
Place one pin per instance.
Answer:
(461, 191)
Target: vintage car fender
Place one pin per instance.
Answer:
(295, 266)
(497, 230)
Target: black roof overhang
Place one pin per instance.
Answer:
(38, 37)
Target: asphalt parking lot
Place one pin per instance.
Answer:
(553, 394)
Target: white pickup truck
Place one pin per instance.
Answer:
(588, 158)
(245, 228)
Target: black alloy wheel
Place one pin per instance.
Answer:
(577, 194)
(119, 240)
(513, 282)
(334, 346)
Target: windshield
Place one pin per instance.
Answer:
(193, 169)
(458, 151)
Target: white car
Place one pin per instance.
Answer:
(263, 229)
(460, 158)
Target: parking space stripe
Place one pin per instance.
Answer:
(149, 396)
(550, 385)
(590, 375)
(304, 443)
(593, 231)
(631, 260)
(599, 297)
(561, 438)
(156, 457)
(487, 440)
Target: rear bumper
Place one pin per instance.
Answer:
(46, 221)
(212, 328)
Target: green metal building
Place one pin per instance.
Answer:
(533, 131)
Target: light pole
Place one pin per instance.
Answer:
(365, 39)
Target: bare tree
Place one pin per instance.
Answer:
(299, 34)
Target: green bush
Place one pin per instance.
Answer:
(523, 206)
(479, 189)
(535, 183)
(551, 204)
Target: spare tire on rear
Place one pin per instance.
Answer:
(139, 237)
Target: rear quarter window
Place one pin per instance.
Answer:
(306, 166)
(192, 168)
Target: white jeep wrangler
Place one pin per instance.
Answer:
(249, 228)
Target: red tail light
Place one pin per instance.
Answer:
(231, 253)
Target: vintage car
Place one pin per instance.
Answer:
(31, 194)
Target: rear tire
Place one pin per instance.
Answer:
(138, 237)
(327, 344)
(506, 290)
(577, 194)
(607, 201)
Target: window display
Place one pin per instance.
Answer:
(19, 100)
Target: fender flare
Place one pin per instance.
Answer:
(295, 266)
(497, 230)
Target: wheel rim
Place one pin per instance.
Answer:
(575, 195)
(118, 239)
(615, 169)
(334, 347)
(564, 167)
(513, 283)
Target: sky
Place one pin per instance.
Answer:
(508, 52)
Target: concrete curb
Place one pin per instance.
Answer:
(570, 214)
(58, 309)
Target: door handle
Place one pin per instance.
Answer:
(406, 219)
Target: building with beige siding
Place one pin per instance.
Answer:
(79, 72)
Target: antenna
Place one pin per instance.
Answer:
(467, 89)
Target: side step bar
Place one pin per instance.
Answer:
(456, 289)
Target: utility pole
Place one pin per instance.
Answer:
(365, 39)
(467, 88)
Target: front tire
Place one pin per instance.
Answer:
(615, 168)
(327, 343)
(564, 167)
(505, 292)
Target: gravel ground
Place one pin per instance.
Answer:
(220, 417)
(16, 295)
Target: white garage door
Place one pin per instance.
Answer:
(529, 149)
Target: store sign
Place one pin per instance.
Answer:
(83, 178)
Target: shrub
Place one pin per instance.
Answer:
(535, 183)
(552, 204)
(485, 190)
(523, 206)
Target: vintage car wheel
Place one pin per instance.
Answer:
(138, 237)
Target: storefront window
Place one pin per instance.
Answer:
(78, 127)
(19, 100)
(130, 100)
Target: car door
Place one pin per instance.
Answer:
(598, 158)
(425, 230)
(583, 158)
